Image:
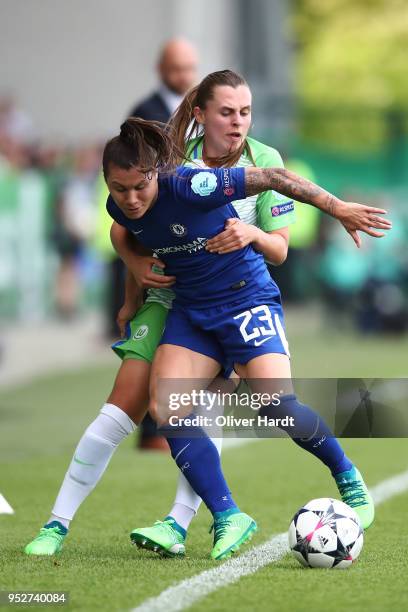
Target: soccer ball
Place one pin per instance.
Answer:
(326, 533)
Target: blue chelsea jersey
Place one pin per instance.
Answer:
(193, 206)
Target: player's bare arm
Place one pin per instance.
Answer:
(139, 260)
(354, 217)
(133, 301)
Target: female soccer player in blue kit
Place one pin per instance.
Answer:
(227, 310)
(211, 92)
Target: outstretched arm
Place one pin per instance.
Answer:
(354, 217)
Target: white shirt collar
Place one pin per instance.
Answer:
(171, 99)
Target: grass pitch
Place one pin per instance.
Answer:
(41, 423)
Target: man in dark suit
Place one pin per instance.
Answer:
(177, 68)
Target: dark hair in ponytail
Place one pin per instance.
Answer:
(145, 145)
(184, 123)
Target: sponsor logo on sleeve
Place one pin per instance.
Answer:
(141, 332)
(204, 183)
(226, 178)
(282, 209)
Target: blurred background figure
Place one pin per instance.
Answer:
(177, 69)
(367, 288)
(75, 214)
(114, 269)
(15, 123)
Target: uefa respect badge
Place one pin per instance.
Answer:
(204, 183)
(282, 209)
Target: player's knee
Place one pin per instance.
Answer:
(130, 402)
(157, 410)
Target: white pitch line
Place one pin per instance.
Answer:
(184, 594)
(389, 488)
(187, 592)
(5, 507)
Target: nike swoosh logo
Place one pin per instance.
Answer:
(259, 342)
(138, 232)
(183, 449)
(82, 462)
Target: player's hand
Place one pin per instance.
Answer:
(360, 218)
(145, 277)
(235, 236)
(126, 314)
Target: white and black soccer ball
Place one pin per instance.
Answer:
(326, 533)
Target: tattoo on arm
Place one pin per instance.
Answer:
(290, 184)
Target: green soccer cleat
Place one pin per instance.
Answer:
(230, 532)
(162, 538)
(355, 494)
(49, 541)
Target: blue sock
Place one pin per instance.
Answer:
(176, 526)
(313, 435)
(198, 459)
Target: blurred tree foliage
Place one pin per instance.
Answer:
(351, 70)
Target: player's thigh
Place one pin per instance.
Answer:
(131, 388)
(269, 373)
(178, 371)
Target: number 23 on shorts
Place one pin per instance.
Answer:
(267, 326)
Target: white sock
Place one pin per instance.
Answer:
(183, 515)
(90, 460)
(61, 520)
(187, 502)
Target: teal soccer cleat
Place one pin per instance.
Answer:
(162, 538)
(49, 541)
(231, 530)
(355, 494)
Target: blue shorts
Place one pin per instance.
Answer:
(230, 333)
